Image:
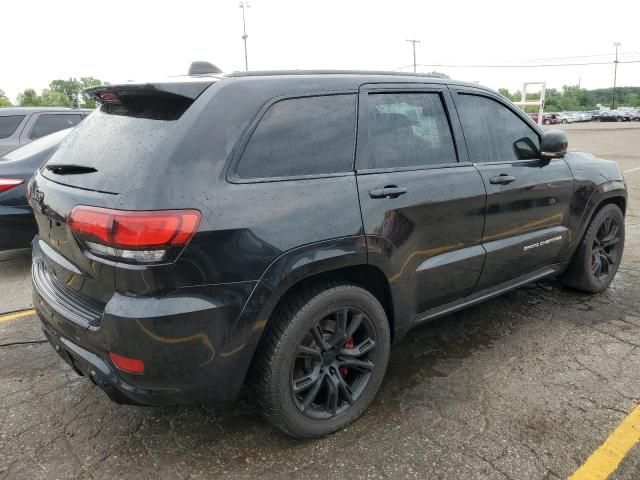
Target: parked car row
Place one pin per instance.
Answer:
(594, 115)
(21, 125)
(618, 116)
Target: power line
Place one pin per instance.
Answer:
(443, 65)
(572, 57)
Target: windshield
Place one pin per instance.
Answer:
(37, 146)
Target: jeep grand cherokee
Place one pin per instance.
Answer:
(284, 228)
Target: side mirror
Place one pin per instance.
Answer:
(554, 145)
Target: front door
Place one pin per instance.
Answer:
(422, 202)
(528, 199)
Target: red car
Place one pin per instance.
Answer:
(546, 119)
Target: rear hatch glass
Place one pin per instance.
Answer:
(124, 137)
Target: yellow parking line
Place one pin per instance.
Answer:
(632, 170)
(608, 456)
(13, 316)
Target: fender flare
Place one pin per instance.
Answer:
(603, 192)
(284, 272)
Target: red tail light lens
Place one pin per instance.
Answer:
(133, 235)
(129, 365)
(9, 183)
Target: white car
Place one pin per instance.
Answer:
(565, 117)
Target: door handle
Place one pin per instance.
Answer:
(389, 191)
(502, 179)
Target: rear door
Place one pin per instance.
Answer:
(422, 202)
(528, 199)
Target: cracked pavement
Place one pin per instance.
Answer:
(525, 386)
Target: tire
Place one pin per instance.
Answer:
(565, 121)
(546, 122)
(582, 272)
(284, 362)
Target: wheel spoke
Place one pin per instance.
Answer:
(318, 337)
(308, 380)
(311, 395)
(340, 334)
(362, 365)
(610, 242)
(304, 351)
(332, 394)
(345, 389)
(358, 350)
(595, 265)
(356, 321)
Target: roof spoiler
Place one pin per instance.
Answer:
(112, 93)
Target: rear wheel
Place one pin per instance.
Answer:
(595, 263)
(323, 359)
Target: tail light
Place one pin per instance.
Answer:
(9, 183)
(139, 236)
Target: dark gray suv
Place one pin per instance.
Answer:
(21, 125)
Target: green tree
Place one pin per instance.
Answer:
(4, 100)
(29, 98)
(50, 98)
(72, 88)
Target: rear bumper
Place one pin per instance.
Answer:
(188, 341)
(17, 227)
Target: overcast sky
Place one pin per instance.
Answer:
(138, 39)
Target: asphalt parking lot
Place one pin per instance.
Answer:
(526, 386)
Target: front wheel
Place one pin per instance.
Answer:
(322, 360)
(595, 263)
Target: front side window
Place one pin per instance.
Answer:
(302, 136)
(407, 130)
(9, 124)
(51, 122)
(493, 132)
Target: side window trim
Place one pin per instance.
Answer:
(362, 143)
(240, 146)
(517, 112)
(44, 114)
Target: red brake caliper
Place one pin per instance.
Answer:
(348, 344)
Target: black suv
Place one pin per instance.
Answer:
(282, 229)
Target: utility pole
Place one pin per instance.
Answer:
(243, 6)
(615, 75)
(413, 42)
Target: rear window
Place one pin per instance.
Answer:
(9, 124)
(302, 136)
(51, 122)
(115, 145)
(130, 138)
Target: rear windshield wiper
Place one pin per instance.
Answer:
(70, 169)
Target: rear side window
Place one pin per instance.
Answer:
(493, 132)
(51, 122)
(407, 130)
(9, 124)
(302, 136)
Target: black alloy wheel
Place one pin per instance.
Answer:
(605, 249)
(596, 260)
(333, 364)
